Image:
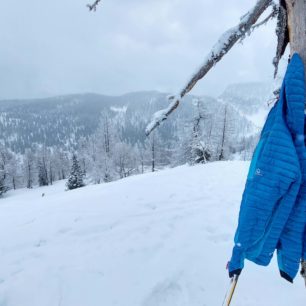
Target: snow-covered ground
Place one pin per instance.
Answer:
(159, 239)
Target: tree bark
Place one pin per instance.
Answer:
(297, 27)
(296, 10)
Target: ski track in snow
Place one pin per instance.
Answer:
(158, 239)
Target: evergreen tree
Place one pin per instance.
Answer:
(29, 168)
(3, 186)
(76, 175)
(42, 174)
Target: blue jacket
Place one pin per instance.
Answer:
(302, 192)
(270, 215)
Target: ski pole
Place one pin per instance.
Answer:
(230, 293)
(234, 281)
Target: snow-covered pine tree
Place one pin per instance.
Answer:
(9, 167)
(3, 187)
(29, 168)
(42, 173)
(200, 152)
(75, 179)
(14, 171)
(5, 163)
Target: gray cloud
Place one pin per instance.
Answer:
(57, 47)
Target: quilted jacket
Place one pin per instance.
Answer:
(272, 212)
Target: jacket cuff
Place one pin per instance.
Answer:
(286, 276)
(236, 263)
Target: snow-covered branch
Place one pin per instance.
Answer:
(93, 7)
(224, 44)
(272, 15)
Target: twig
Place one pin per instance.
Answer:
(272, 15)
(93, 7)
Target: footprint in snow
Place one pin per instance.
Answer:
(77, 219)
(40, 243)
(64, 230)
(165, 294)
(3, 301)
(219, 238)
(16, 272)
(210, 229)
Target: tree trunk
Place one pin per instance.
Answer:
(153, 152)
(297, 27)
(221, 156)
(297, 36)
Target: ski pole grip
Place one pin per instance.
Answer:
(234, 272)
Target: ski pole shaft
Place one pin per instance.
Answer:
(232, 290)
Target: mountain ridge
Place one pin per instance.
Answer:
(63, 119)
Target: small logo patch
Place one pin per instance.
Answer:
(258, 172)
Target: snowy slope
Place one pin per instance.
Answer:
(160, 239)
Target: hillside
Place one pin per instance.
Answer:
(158, 239)
(250, 99)
(62, 121)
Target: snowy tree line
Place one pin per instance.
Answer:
(103, 157)
(212, 134)
(63, 121)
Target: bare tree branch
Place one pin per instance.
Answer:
(272, 15)
(224, 44)
(93, 7)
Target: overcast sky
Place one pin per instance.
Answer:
(54, 47)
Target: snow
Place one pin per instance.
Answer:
(259, 118)
(122, 109)
(161, 115)
(158, 239)
(220, 47)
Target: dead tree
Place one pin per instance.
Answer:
(291, 29)
(153, 151)
(221, 156)
(93, 6)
